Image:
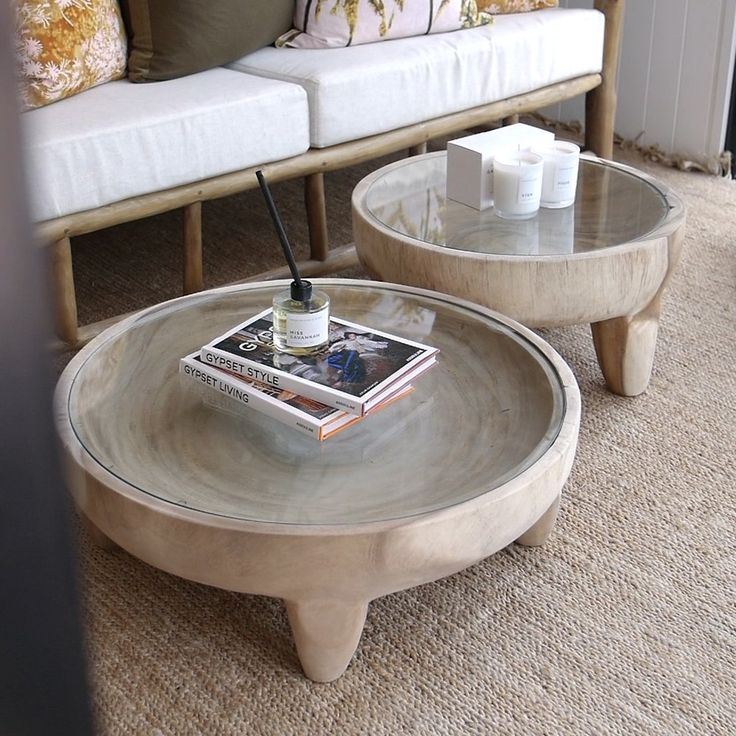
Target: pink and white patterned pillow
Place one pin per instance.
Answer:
(332, 23)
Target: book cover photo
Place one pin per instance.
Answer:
(359, 368)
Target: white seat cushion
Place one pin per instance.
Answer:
(363, 90)
(120, 139)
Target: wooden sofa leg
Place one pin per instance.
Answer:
(418, 150)
(314, 200)
(65, 299)
(511, 119)
(600, 103)
(193, 280)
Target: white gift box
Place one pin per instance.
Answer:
(470, 160)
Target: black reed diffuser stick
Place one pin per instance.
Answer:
(280, 230)
(301, 316)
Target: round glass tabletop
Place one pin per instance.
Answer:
(614, 205)
(490, 408)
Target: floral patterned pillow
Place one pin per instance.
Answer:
(331, 23)
(499, 7)
(66, 46)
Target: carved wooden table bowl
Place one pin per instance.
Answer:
(605, 260)
(473, 459)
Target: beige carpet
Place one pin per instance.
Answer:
(624, 623)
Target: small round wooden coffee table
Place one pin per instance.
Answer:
(473, 459)
(606, 260)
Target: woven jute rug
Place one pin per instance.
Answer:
(624, 623)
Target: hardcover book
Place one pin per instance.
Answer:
(307, 415)
(359, 368)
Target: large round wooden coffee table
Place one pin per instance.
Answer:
(472, 460)
(605, 260)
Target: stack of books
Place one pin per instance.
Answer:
(360, 371)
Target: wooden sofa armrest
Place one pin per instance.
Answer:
(600, 103)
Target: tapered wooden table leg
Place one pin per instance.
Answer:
(625, 345)
(539, 533)
(625, 348)
(326, 633)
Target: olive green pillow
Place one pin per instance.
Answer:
(172, 38)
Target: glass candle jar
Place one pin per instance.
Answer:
(560, 180)
(301, 319)
(517, 184)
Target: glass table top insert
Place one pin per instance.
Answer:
(487, 411)
(614, 205)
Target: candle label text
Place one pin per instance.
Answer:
(527, 191)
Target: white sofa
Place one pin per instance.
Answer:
(121, 151)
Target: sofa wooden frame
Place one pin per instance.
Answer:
(600, 108)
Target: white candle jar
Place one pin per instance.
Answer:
(560, 180)
(517, 184)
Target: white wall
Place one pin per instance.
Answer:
(675, 74)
